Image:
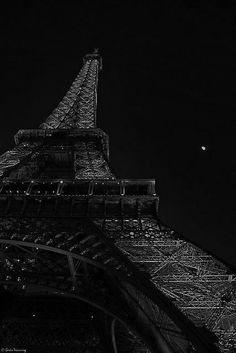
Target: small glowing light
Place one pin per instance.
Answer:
(33, 315)
(203, 148)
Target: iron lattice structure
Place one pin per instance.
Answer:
(70, 230)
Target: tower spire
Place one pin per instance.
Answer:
(76, 115)
(78, 108)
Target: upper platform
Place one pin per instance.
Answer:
(63, 137)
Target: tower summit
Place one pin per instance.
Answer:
(85, 255)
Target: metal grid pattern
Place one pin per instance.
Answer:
(70, 259)
(166, 289)
(78, 108)
(90, 162)
(13, 157)
(202, 287)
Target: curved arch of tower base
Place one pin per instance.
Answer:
(80, 260)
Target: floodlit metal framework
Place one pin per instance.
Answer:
(69, 228)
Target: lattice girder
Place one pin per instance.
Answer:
(202, 287)
(78, 108)
(93, 249)
(68, 226)
(15, 156)
(81, 154)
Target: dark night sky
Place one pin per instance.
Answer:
(166, 89)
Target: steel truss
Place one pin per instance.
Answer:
(70, 229)
(34, 255)
(202, 287)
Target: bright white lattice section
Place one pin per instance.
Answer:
(201, 286)
(78, 108)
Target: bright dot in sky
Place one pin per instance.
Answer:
(33, 315)
(203, 148)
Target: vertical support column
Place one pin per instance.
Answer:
(72, 271)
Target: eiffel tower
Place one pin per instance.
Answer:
(86, 264)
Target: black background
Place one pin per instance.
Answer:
(166, 89)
